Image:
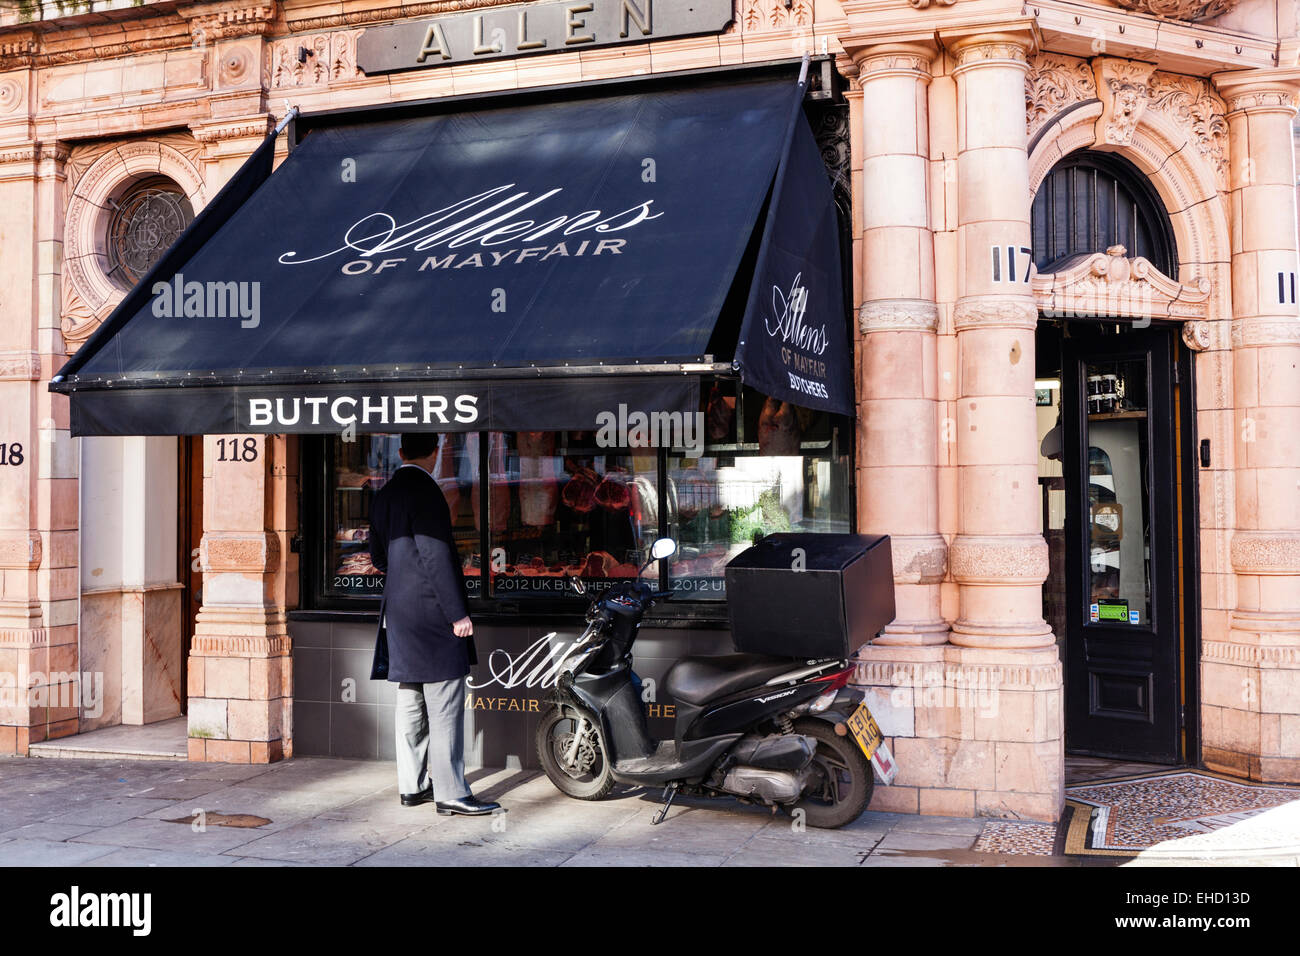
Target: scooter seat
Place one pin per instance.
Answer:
(696, 680)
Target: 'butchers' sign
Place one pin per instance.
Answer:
(535, 28)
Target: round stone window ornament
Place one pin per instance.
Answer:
(144, 223)
(1187, 10)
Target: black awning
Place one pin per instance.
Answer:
(547, 261)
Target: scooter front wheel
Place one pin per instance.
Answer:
(580, 771)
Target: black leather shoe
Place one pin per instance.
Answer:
(415, 799)
(467, 806)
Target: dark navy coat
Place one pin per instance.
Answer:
(424, 589)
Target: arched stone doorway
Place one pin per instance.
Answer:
(1115, 424)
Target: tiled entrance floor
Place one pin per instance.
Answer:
(1156, 814)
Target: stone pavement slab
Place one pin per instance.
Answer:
(161, 835)
(328, 842)
(324, 811)
(49, 853)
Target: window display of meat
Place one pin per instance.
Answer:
(612, 493)
(539, 487)
(580, 490)
(599, 564)
(778, 429)
(720, 413)
(444, 472)
(498, 484)
(352, 479)
(358, 563)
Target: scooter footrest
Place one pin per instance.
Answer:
(665, 756)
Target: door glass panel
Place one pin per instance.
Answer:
(1052, 437)
(1116, 469)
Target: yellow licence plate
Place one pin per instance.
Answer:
(864, 729)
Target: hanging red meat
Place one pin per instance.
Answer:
(778, 429)
(612, 494)
(538, 488)
(721, 410)
(580, 490)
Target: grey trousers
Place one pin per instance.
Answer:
(430, 724)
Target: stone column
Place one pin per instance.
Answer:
(240, 674)
(1001, 732)
(240, 678)
(897, 476)
(40, 675)
(1251, 692)
(999, 556)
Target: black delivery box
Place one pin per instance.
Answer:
(810, 595)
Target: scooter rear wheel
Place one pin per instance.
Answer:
(843, 782)
(592, 779)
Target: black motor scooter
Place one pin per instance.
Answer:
(776, 731)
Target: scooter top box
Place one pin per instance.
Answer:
(810, 595)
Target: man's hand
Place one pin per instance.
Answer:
(463, 628)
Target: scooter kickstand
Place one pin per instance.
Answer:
(670, 791)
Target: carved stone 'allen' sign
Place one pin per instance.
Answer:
(534, 28)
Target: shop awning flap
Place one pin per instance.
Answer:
(577, 249)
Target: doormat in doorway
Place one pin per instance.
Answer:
(1126, 816)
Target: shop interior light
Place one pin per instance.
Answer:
(1047, 383)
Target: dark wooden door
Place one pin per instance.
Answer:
(1122, 646)
(189, 535)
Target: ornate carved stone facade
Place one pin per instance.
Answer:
(1122, 87)
(1111, 284)
(1194, 105)
(95, 173)
(1054, 82)
(1190, 10)
(315, 60)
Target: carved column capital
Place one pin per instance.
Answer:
(1259, 94)
(992, 49)
(893, 59)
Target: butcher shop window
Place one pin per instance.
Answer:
(767, 466)
(559, 504)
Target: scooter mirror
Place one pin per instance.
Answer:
(663, 548)
(577, 585)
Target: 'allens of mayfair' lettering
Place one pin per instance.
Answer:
(788, 325)
(486, 219)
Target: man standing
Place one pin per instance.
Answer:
(430, 637)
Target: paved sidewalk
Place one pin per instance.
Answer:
(319, 811)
